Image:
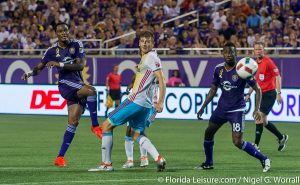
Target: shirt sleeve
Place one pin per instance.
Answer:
(153, 62)
(273, 68)
(47, 56)
(79, 50)
(251, 82)
(216, 79)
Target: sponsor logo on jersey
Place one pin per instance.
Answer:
(261, 77)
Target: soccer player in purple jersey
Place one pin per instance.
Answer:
(231, 107)
(68, 56)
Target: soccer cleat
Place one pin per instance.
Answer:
(256, 147)
(60, 161)
(283, 142)
(266, 164)
(144, 161)
(128, 164)
(161, 163)
(204, 166)
(97, 130)
(103, 168)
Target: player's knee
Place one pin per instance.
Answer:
(106, 126)
(93, 91)
(74, 123)
(208, 134)
(238, 143)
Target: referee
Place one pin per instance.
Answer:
(269, 80)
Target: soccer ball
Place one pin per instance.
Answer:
(246, 68)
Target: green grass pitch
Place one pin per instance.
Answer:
(29, 145)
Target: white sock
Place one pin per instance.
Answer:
(143, 152)
(129, 148)
(146, 144)
(107, 143)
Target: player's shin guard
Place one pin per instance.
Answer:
(143, 152)
(68, 137)
(148, 146)
(251, 150)
(258, 133)
(272, 128)
(92, 105)
(107, 144)
(129, 148)
(208, 149)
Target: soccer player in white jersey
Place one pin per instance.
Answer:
(128, 138)
(138, 105)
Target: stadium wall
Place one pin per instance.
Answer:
(180, 103)
(194, 71)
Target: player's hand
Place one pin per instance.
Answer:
(199, 114)
(158, 107)
(257, 115)
(279, 99)
(247, 97)
(52, 64)
(25, 76)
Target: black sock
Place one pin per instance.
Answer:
(272, 128)
(258, 133)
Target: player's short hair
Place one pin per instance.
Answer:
(58, 24)
(147, 34)
(229, 44)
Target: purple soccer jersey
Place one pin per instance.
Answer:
(66, 55)
(232, 86)
(70, 81)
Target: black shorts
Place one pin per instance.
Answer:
(115, 94)
(267, 101)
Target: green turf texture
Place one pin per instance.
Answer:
(29, 145)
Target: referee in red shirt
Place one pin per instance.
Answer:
(113, 86)
(269, 80)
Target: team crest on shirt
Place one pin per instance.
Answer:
(235, 78)
(261, 77)
(221, 73)
(72, 50)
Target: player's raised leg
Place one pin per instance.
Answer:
(90, 92)
(237, 122)
(74, 113)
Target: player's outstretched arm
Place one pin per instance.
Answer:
(212, 92)
(35, 71)
(256, 112)
(77, 66)
(162, 90)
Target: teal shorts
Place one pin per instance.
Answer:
(130, 112)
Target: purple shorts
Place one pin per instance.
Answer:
(236, 119)
(68, 91)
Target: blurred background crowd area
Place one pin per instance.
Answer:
(29, 24)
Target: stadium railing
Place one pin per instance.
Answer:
(273, 51)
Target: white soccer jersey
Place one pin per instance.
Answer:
(145, 81)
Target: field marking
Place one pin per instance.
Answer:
(84, 181)
(132, 169)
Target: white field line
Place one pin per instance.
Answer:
(84, 181)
